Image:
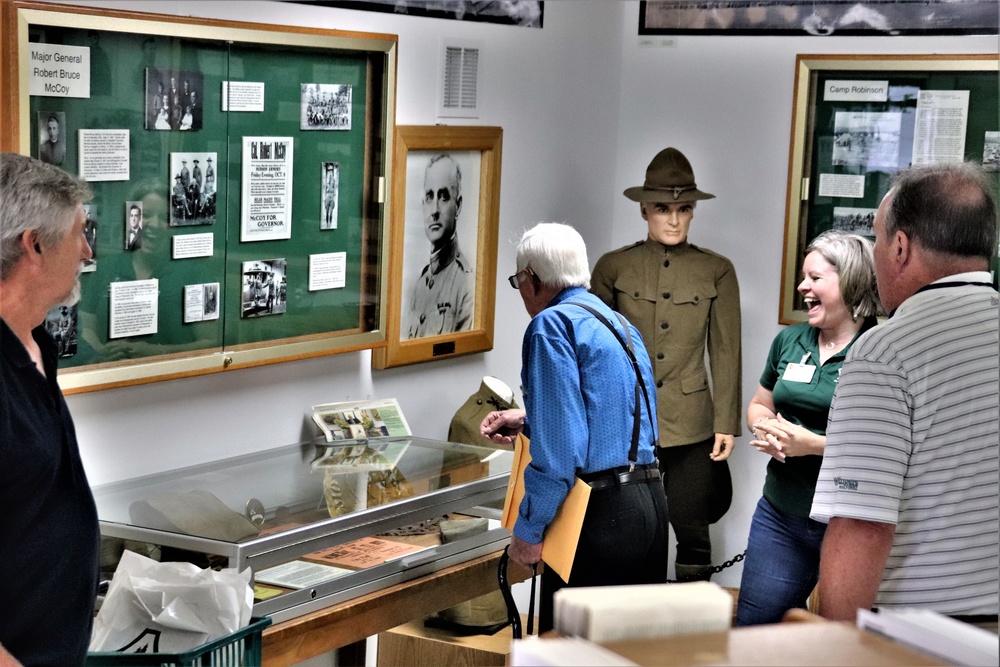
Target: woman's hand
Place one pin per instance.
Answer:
(768, 438)
(782, 438)
(501, 427)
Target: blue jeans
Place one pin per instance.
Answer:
(781, 566)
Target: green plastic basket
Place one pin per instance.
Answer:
(242, 648)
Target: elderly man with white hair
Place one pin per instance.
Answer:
(587, 387)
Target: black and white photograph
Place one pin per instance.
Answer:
(819, 19)
(60, 322)
(991, 151)
(855, 220)
(52, 137)
(133, 225)
(211, 301)
(441, 228)
(329, 204)
(325, 106)
(264, 289)
(192, 189)
(174, 99)
(90, 233)
(867, 139)
(201, 302)
(522, 13)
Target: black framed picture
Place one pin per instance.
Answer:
(803, 17)
(524, 13)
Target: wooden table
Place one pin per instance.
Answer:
(340, 625)
(799, 644)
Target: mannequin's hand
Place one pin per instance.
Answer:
(723, 446)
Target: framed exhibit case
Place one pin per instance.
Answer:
(443, 256)
(318, 522)
(240, 180)
(858, 119)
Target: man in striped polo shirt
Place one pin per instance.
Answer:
(909, 477)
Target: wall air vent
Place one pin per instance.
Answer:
(459, 81)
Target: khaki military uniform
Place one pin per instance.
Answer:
(464, 425)
(683, 300)
(442, 298)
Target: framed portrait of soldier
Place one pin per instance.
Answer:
(440, 238)
(444, 239)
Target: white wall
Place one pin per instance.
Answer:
(726, 102)
(584, 108)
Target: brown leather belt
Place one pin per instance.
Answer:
(605, 479)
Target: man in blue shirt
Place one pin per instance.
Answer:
(586, 416)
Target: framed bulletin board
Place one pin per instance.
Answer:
(443, 257)
(240, 180)
(857, 120)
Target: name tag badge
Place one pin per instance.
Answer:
(798, 373)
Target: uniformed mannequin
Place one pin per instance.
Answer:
(442, 297)
(684, 300)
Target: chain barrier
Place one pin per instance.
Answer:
(718, 568)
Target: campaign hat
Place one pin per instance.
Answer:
(669, 178)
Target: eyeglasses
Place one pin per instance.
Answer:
(515, 281)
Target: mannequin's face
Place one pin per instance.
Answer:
(668, 222)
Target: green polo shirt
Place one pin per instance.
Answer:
(789, 486)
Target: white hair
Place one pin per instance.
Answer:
(556, 253)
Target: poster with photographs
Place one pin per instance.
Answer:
(331, 178)
(325, 106)
(264, 289)
(52, 137)
(173, 99)
(192, 189)
(61, 325)
(855, 220)
(90, 233)
(133, 225)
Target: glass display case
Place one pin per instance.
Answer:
(319, 523)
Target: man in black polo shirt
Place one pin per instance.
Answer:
(49, 538)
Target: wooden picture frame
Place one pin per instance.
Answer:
(856, 120)
(314, 318)
(429, 293)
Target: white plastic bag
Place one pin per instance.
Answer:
(154, 607)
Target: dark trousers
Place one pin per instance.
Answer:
(623, 541)
(699, 491)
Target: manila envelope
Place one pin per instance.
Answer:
(563, 534)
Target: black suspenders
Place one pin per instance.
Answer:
(633, 452)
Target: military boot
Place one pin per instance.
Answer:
(693, 572)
